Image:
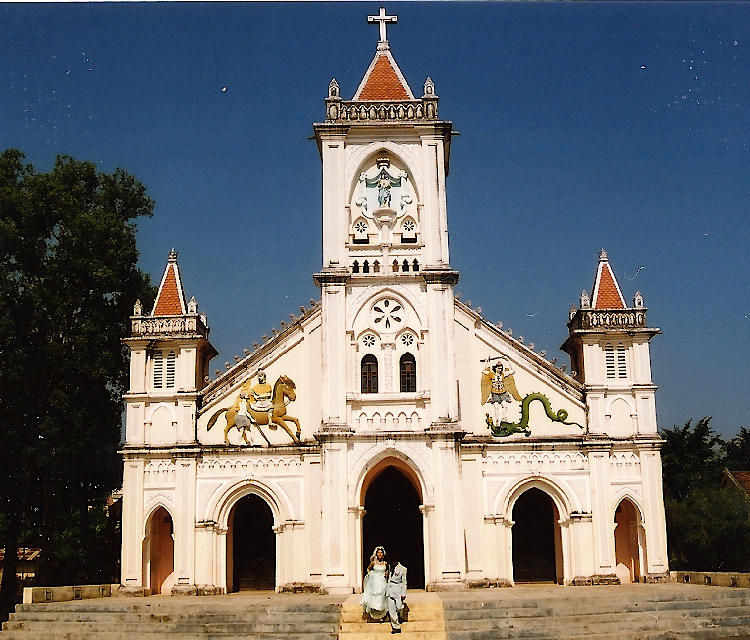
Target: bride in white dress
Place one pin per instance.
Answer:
(373, 588)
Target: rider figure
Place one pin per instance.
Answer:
(261, 396)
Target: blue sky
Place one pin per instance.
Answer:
(583, 125)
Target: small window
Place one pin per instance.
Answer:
(408, 373)
(171, 366)
(360, 232)
(395, 266)
(609, 360)
(405, 266)
(409, 232)
(158, 370)
(376, 267)
(622, 370)
(366, 267)
(415, 265)
(355, 267)
(369, 374)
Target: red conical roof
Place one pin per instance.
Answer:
(606, 293)
(383, 80)
(170, 301)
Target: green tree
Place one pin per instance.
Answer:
(708, 526)
(691, 457)
(68, 280)
(737, 451)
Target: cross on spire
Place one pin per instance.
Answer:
(382, 18)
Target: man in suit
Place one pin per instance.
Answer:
(395, 593)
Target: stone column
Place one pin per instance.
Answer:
(184, 522)
(356, 513)
(430, 555)
(653, 515)
(600, 487)
(132, 524)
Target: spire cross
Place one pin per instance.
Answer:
(382, 19)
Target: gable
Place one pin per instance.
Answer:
(477, 341)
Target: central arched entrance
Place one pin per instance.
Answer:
(537, 541)
(251, 545)
(393, 519)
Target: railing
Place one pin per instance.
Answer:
(171, 325)
(338, 110)
(608, 318)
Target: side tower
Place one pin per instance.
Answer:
(169, 357)
(608, 347)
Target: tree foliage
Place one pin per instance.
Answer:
(68, 279)
(708, 524)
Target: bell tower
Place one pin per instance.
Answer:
(385, 156)
(609, 353)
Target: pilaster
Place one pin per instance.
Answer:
(132, 523)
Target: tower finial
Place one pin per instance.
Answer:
(602, 255)
(382, 18)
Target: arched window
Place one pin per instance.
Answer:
(366, 267)
(395, 266)
(376, 267)
(369, 374)
(408, 373)
(405, 266)
(415, 265)
(355, 267)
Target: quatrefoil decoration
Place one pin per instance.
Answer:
(387, 314)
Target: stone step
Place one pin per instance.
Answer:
(158, 635)
(543, 617)
(610, 630)
(235, 627)
(208, 618)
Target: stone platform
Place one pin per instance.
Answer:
(628, 612)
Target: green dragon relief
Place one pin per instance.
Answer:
(505, 429)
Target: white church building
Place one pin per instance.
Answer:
(398, 415)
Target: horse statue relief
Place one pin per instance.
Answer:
(243, 416)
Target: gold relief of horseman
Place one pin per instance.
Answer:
(499, 389)
(258, 405)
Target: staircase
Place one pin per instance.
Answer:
(236, 617)
(424, 615)
(627, 612)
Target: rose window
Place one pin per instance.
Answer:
(387, 314)
(407, 339)
(409, 225)
(369, 341)
(360, 227)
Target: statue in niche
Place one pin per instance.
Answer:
(384, 181)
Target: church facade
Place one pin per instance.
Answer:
(390, 412)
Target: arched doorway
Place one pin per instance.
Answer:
(537, 540)
(627, 542)
(251, 545)
(158, 551)
(393, 519)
